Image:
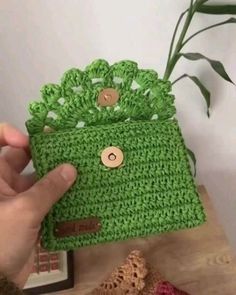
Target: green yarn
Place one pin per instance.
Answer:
(142, 95)
(152, 192)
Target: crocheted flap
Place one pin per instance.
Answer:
(151, 192)
(73, 103)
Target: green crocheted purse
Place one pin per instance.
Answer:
(115, 124)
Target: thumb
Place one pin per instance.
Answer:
(47, 191)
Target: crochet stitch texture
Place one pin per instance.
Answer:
(153, 191)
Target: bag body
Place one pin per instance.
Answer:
(134, 177)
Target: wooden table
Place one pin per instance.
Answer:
(199, 260)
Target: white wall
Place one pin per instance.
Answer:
(40, 39)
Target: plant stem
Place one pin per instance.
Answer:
(174, 35)
(173, 60)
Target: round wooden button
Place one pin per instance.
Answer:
(112, 157)
(108, 97)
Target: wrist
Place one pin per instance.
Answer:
(7, 287)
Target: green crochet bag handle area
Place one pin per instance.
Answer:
(116, 125)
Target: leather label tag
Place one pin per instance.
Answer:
(77, 227)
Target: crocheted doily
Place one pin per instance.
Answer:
(135, 277)
(126, 279)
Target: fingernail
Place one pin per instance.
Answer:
(68, 172)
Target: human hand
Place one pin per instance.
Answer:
(24, 204)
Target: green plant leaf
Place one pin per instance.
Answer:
(216, 65)
(205, 92)
(217, 9)
(231, 20)
(193, 159)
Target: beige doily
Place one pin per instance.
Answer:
(126, 279)
(135, 277)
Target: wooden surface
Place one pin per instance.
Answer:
(199, 260)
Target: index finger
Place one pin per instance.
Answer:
(17, 158)
(12, 136)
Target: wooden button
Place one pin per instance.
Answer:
(112, 157)
(108, 97)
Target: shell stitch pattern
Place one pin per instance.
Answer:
(142, 95)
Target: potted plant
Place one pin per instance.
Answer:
(176, 51)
